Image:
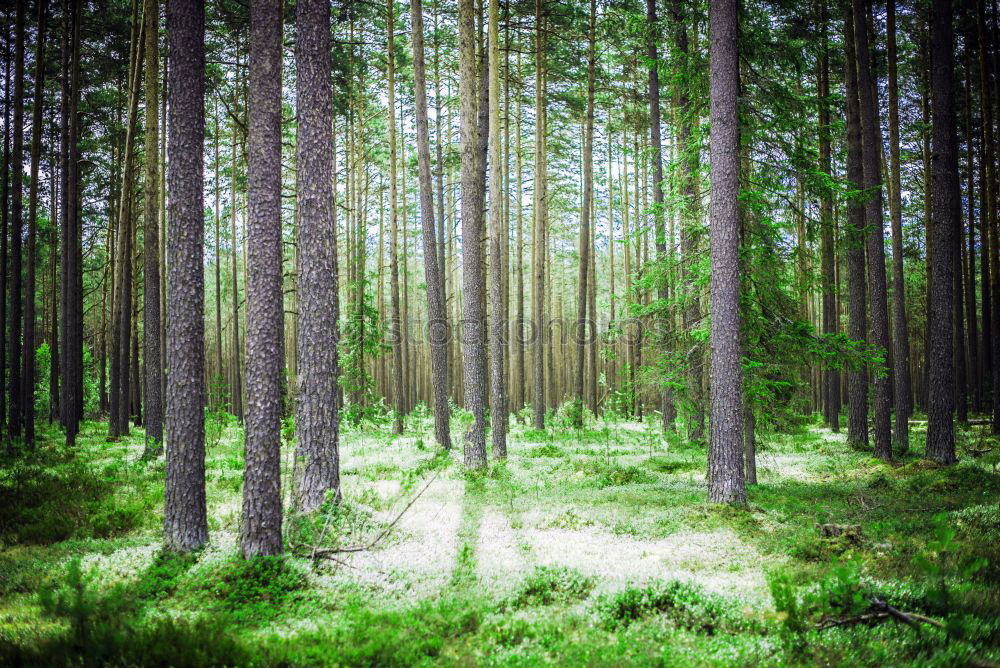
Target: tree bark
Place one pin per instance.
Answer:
(900, 329)
(395, 332)
(726, 482)
(151, 237)
(16, 228)
(28, 386)
(946, 223)
(184, 517)
(317, 420)
(260, 529)
(498, 384)
(875, 238)
(436, 312)
(857, 409)
(473, 335)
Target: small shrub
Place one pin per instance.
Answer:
(254, 589)
(547, 450)
(617, 475)
(664, 465)
(686, 605)
(551, 584)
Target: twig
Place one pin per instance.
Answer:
(317, 551)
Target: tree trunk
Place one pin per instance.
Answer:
(900, 330)
(395, 330)
(857, 409)
(831, 377)
(875, 239)
(237, 367)
(184, 516)
(436, 312)
(498, 389)
(473, 337)
(16, 229)
(28, 386)
(583, 329)
(317, 420)
(726, 482)
(260, 530)
(151, 237)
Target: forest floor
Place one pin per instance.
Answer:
(592, 546)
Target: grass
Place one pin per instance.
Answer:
(600, 549)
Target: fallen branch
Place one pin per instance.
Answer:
(316, 551)
(878, 611)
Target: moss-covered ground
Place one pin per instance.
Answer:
(586, 547)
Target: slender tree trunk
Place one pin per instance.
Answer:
(582, 329)
(17, 227)
(857, 409)
(151, 233)
(219, 379)
(498, 385)
(436, 311)
(399, 395)
(900, 330)
(184, 517)
(317, 420)
(4, 214)
(875, 240)
(260, 529)
(28, 387)
(237, 366)
(831, 379)
(473, 336)
(726, 482)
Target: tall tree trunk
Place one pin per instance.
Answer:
(473, 339)
(875, 239)
(17, 226)
(317, 419)
(857, 409)
(184, 516)
(4, 214)
(538, 329)
(583, 329)
(121, 320)
(946, 223)
(28, 386)
(219, 379)
(436, 311)
(151, 237)
(726, 483)
(667, 410)
(831, 377)
(900, 330)
(498, 328)
(260, 530)
(237, 366)
(399, 395)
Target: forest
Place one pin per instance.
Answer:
(500, 332)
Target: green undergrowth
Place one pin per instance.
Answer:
(796, 578)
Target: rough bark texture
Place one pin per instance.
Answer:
(28, 387)
(900, 329)
(153, 368)
(875, 237)
(260, 528)
(316, 424)
(498, 328)
(185, 522)
(437, 315)
(726, 483)
(473, 330)
(857, 391)
(4, 210)
(946, 214)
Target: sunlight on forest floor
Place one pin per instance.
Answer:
(590, 521)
